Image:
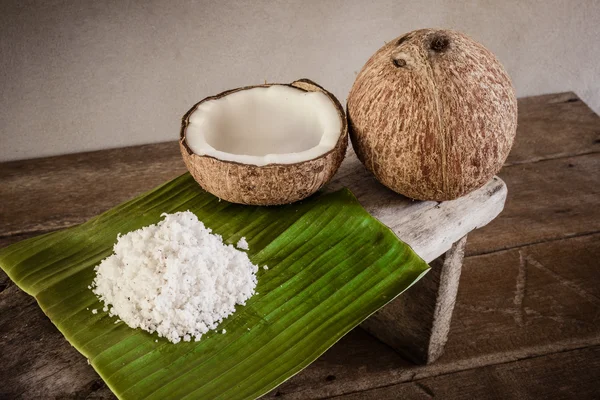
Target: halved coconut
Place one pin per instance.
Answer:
(267, 144)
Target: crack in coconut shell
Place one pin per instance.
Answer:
(439, 127)
(271, 184)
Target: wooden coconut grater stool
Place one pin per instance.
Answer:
(417, 323)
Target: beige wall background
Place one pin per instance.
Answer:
(90, 74)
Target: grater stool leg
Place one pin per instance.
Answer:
(417, 324)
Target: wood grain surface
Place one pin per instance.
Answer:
(547, 200)
(554, 126)
(50, 193)
(554, 376)
(526, 322)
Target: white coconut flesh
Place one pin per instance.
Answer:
(265, 125)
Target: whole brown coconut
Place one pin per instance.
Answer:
(432, 115)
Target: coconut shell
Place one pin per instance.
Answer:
(272, 184)
(432, 115)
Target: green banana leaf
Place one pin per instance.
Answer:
(331, 265)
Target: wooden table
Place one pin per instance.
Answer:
(527, 317)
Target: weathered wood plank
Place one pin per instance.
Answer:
(540, 295)
(547, 200)
(57, 192)
(569, 375)
(553, 126)
(429, 227)
(502, 315)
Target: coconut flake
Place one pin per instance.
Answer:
(175, 278)
(242, 244)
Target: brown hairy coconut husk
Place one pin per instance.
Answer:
(432, 115)
(236, 170)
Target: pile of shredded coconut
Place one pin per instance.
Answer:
(175, 278)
